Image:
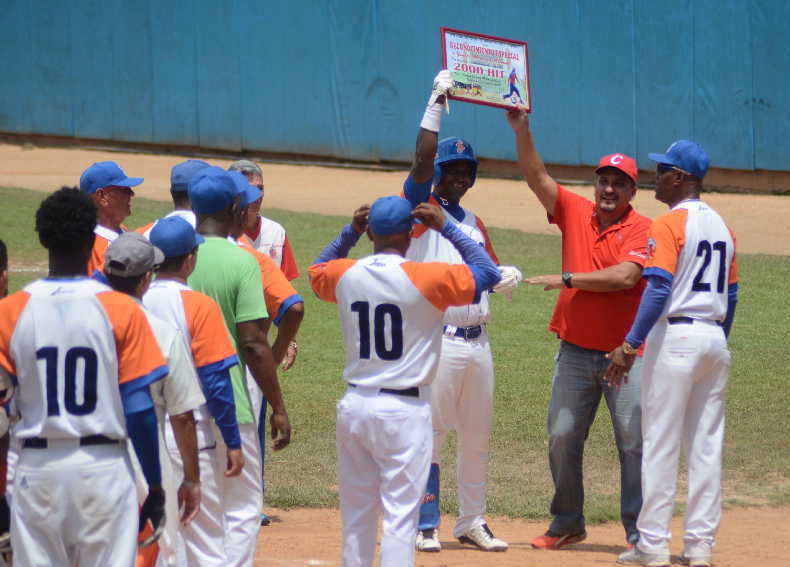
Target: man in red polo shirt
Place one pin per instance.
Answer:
(603, 251)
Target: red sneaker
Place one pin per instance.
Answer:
(550, 540)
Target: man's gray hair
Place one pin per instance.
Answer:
(247, 168)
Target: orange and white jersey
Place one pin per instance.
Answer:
(391, 312)
(104, 236)
(430, 246)
(73, 345)
(278, 292)
(695, 250)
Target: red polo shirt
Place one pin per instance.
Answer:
(588, 319)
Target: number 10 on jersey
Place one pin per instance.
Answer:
(387, 348)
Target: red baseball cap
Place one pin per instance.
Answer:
(619, 161)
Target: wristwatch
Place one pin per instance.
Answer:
(566, 279)
(628, 349)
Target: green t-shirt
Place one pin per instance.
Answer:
(232, 278)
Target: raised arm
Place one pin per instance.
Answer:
(348, 237)
(530, 162)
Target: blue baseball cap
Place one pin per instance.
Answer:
(106, 174)
(390, 215)
(686, 155)
(212, 189)
(174, 236)
(182, 173)
(247, 193)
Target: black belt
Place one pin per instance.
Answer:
(467, 333)
(687, 321)
(41, 443)
(413, 392)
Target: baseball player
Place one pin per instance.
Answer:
(5, 512)
(281, 299)
(180, 176)
(391, 313)
(81, 358)
(231, 277)
(266, 235)
(200, 321)
(111, 191)
(462, 395)
(128, 268)
(685, 318)
(512, 79)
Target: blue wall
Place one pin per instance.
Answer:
(349, 78)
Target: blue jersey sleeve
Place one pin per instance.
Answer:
(732, 301)
(141, 426)
(218, 391)
(285, 306)
(340, 246)
(654, 298)
(416, 193)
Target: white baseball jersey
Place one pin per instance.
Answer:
(391, 312)
(71, 342)
(430, 246)
(270, 240)
(695, 249)
(188, 216)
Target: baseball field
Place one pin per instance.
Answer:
(314, 202)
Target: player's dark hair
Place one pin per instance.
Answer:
(173, 263)
(65, 221)
(180, 199)
(123, 284)
(3, 257)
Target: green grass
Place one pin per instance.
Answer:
(757, 452)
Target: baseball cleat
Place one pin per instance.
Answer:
(691, 561)
(428, 540)
(482, 537)
(636, 557)
(551, 540)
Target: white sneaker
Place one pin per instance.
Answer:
(428, 540)
(482, 537)
(636, 557)
(701, 561)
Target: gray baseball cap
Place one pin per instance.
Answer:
(131, 255)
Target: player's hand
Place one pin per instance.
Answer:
(429, 215)
(281, 429)
(548, 282)
(518, 118)
(290, 355)
(359, 221)
(442, 83)
(619, 365)
(235, 462)
(153, 510)
(5, 526)
(188, 500)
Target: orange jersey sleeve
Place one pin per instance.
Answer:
(276, 287)
(324, 277)
(442, 284)
(10, 309)
(666, 237)
(289, 267)
(210, 339)
(489, 246)
(96, 261)
(146, 228)
(733, 276)
(137, 349)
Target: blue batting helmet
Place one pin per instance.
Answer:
(453, 149)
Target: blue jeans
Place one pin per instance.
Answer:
(575, 394)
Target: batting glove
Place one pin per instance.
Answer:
(511, 276)
(432, 118)
(153, 510)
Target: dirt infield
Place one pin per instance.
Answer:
(755, 536)
(741, 542)
(759, 221)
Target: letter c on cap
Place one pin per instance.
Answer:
(616, 159)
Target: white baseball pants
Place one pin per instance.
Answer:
(383, 457)
(462, 398)
(683, 386)
(201, 542)
(74, 505)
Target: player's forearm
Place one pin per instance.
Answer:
(263, 368)
(651, 306)
(732, 301)
(534, 170)
(422, 167)
(142, 430)
(340, 246)
(613, 278)
(186, 440)
(286, 331)
(218, 390)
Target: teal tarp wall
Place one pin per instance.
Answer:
(350, 78)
